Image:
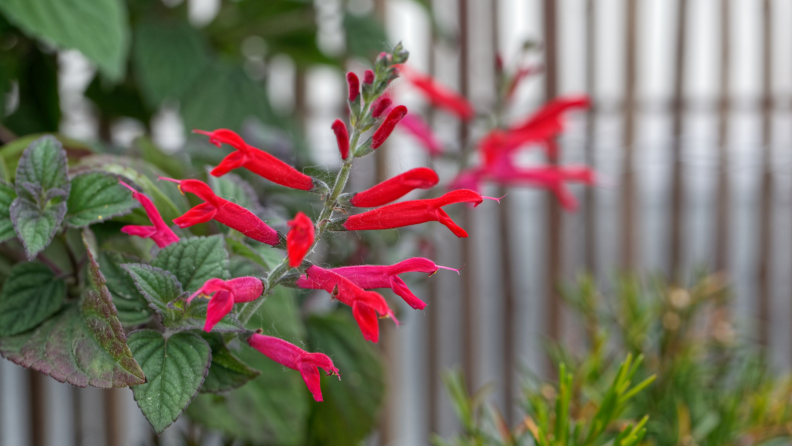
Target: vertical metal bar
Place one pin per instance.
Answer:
(722, 219)
(554, 217)
(677, 187)
(766, 221)
(628, 176)
(468, 292)
(591, 85)
(112, 419)
(37, 413)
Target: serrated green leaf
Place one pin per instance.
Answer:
(96, 197)
(30, 295)
(97, 28)
(83, 345)
(175, 368)
(350, 408)
(158, 287)
(42, 186)
(132, 307)
(12, 151)
(167, 57)
(7, 196)
(227, 371)
(195, 260)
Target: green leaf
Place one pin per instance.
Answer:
(195, 260)
(7, 196)
(365, 36)
(167, 57)
(30, 295)
(242, 249)
(12, 152)
(42, 185)
(194, 318)
(227, 371)
(175, 368)
(97, 28)
(132, 307)
(233, 188)
(350, 408)
(224, 97)
(272, 408)
(172, 164)
(95, 197)
(83, 345)
(158, 287)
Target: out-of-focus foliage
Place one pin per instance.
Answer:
(713, 384)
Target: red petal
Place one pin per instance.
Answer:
(234, 160)
(140, 231)
(219, 306)
(310, 374)
(367, 321)
(400, 288)
(443, 218)
(202, 213)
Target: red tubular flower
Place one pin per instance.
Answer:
(383, 276)
(439, 95)
(257, 161)
(368, 77)
(414, 212)
(384, 130)
(295, 358)
(300, 239)
(160, 232)
(421, 130)
(223, 211)
(354, 86)
(366, 305)
(342, 137)
(224, 294)
(521, 74)
(395, 188)
(380, 106)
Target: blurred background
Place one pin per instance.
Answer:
(689, 130)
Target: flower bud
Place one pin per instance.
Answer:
(384, 131)
(342, 138)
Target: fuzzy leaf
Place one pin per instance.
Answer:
(195, 260)
(227, 371)
(158, 287)
(83, 345)
(97, 28)
(132, 307)
(96, 197)
(7, 196)
(42, 186)
(30, 295)
(175, 368)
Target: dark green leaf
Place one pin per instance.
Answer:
(42, 185)
(167, 57)
(195, 260)
(365, 36)
(97, 28)
(37, 87)
(30, 295)
(97, 196)
(7, 196)
(83, 345)
(118, 99)
(175, 369)
(227, 371)
(132, 307)
(350, 408)
(158, 287)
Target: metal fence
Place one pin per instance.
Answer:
(690, 130)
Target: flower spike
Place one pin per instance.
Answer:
(259, 162)
(223, 211)
(160, 233)
(295, 358)
(395, 188)
(300, 239)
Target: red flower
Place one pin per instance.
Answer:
(160, 232)
(295, 358)
(383, 276)
(380, 106)
(258, 162)
(368, 77)
(354, 86)
(439, 95)
(342, 137)
(395, 188)
(366, 305)
(226, 294)
(384, 131)
(223, 211)
(421, 130)
(414, 212)
(300, 239)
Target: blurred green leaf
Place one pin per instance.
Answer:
(227, 372)
(118, 99)
(39, 103)
(97, 28)
(7, 196)
(365, 36)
